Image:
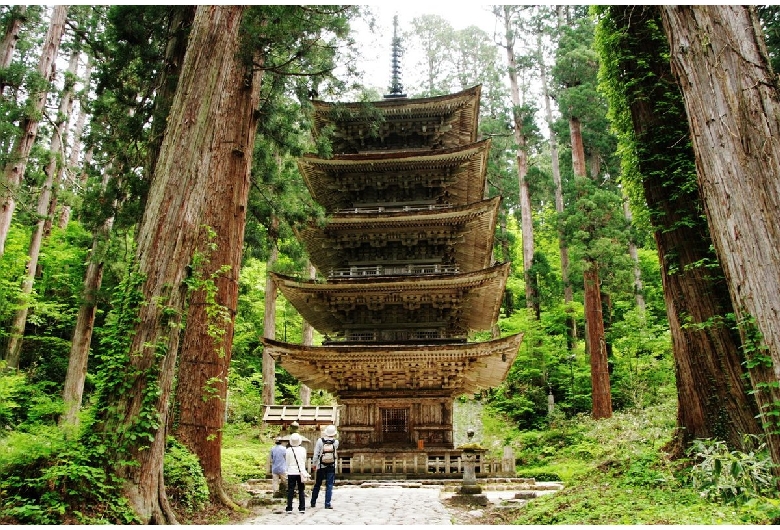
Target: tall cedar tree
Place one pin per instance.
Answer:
(13, 172)
(280, 42)
(216, 88)
(731, 96)
(647, 107)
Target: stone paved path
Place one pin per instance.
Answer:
(354, 505)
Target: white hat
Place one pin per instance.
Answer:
(295, 439)
(330, 430)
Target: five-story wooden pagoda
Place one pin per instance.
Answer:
(407, 272)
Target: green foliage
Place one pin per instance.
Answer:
(48, 480)
(185, 484)
(731, 476)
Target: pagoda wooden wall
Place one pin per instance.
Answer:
(369, 422)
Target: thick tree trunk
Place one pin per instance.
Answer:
(17, 161)
(269, 318)
(597, 347)
(713, 398)
(733, 107)
(205, 354)
(526, 219)
(198, 148)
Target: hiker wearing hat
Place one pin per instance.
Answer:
(296, 472)
(324, 463)
(278, 466)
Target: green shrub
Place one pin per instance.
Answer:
(45, 479)
(731, 477)
(185, 484)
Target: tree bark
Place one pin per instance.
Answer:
(208, 339)
(731, 99)
(597, 346)
(197, 150)
(17, 161)
(713, 398)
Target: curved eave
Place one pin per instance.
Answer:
(458, 112)
(473, 224)
(454, 368)
(465, 166)
(479, 295)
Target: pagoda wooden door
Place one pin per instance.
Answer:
(395, 425)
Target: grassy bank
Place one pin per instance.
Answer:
(615, 472)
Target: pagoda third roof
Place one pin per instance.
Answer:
(459, 171)
(479, 295)
(470, 229)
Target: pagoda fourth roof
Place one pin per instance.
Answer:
(458, 170)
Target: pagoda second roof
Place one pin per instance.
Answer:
(424, 123)
(453, 369)
(473, 298)
(468, 229)
(459, 171)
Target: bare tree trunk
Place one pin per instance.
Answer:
(53, 173)
(73, 388)
(597, 346)
(527, 226)
(269, 318)
(731, 99)
(568, 291)
(594, 318)
(17, 161)
(196, 152)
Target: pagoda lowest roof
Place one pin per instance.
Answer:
(416, 370)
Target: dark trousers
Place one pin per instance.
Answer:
(328, 474)
(293, 482)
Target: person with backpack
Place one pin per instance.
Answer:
(324, 464)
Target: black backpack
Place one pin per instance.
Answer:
(328, 455)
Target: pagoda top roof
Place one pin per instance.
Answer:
(468, 229)
(450, 369)
(458, 171)
(400, 123)
(474, 298)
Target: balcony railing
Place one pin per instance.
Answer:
(392, 270)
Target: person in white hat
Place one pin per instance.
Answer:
(324, 463)
(296, 472)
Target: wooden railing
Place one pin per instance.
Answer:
(402, 270)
